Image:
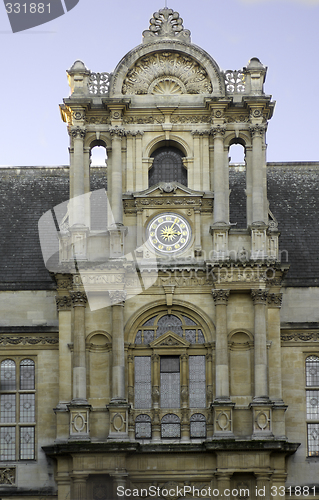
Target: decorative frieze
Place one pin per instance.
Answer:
(220, 296)
(98, 120)
(145, 119)
(304, 337)
(259, 296)
(63, 303)
(78, 298)
(64, 283)
(13, 340)
(190, 119)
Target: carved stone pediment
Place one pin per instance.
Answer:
(167, 73)
(168, 189)
(170, 339)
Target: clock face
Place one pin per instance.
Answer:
(169, 233)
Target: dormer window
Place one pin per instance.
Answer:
(167, 167)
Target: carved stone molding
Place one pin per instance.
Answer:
(275, 299)
(78, 298)
(259, 296)
(5, 340)
(220, 296)
(218, 131)
(190, 119)
(200, 132)
(167, 73)
(117, 297)
(166, 23)
(79, 132)
(64, 283)
(7, 475)
(257, 130)
(63, 303)
(117, 132)
(304, 337)
(143, 119)
(98, 119)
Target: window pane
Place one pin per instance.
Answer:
(198, 426)
(170, 390)
(8, 375)
(8, 408)
(27, 375)
(313, 440)
(167, 167)
(26, 443)
(142, 391)
(143, 427)
(170, 364)
(312, 371)
(197, 382)
(167, 323)
(170, 426)
(27, 409)
(7, 443)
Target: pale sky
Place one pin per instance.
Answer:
(283, 34)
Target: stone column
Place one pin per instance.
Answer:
(220, 190)
(79, 300)
(249, 185)
(140, 178)
(258, 188)
(262, 484)
(77, 177)
(221, 346)
(115, 181)
(223, 483)
(259, 298)
(197, 178)
(119, 479)
(118, 380)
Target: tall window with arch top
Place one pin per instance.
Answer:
(312, 402)
(167, 166)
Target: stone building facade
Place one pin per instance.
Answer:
(170, 338)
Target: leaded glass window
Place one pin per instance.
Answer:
(167, 167)
(170, 426)
(170, 382)
(197, 381)
(158, 325)
(143, 427)
(312, 371)
(198, 426)
(17, 407)
(142, 391)
(313, 440)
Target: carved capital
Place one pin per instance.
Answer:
(117, 297)
(117, 132)
(257, 130)
(63, 303)
(220, 296)
(79, 298)
(259, 296)
(209, 357)
(77, 132)
(275, 299)
(184, 357)
(218, 131)
(155, 358)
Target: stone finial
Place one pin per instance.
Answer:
(166, 24)
(255, 77)
(78, 76)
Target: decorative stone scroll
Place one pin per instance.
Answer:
(166, 24)
(220, 296)
(234, 82)
(99, 83)
(167, 73)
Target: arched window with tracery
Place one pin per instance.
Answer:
(169, 372)
(167, 167)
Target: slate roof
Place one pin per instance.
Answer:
(26, 193)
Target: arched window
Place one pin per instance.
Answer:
(198, 426)
(158, 325)
(143, 427)
(312, 398)
(170, 426)
(237, 184)
(17, 408)
(167, 167)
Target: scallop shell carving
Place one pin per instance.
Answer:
(167, 73)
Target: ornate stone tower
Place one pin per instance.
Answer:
(169, 314)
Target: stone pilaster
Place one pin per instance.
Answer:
(118, 407)
(77, 177)
(220, 190)
(258, 188)
(115, 176)
(79, 300)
